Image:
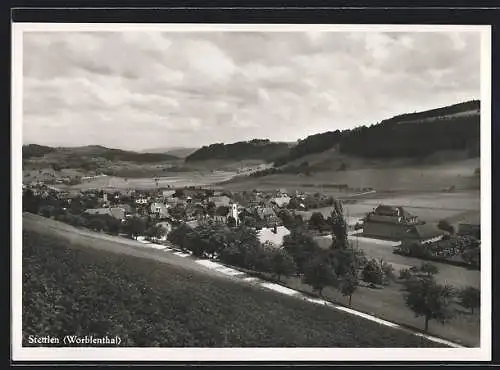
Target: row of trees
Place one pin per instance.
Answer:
(132, 227)
(239, 246)
(433, 301)
(300, 255)
(341, 267)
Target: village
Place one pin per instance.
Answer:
(153, 214)
(170, 207)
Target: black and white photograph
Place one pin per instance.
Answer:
(255, 191)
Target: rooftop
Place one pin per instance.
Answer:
(426, 231)
(268, 235)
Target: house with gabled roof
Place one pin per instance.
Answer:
(222, 200)
(118, 213)
(395, 223)
(159, 210)
(273, 235)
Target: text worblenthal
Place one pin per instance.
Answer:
(69, 340)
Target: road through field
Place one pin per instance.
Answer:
(85, 238)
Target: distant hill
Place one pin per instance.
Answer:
(34, 150)
(179, 152)
(96, 151)
(93, 158)
(413, 135)
(262, 149)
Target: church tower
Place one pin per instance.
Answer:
(234, 213)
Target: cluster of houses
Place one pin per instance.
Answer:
(196, 206)
(193, 206)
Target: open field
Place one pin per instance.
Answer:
(448, 274)
(416, 178)
(180, 180)
(429, 207)
(388, 303)
(83, 287)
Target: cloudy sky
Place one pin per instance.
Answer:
(139, 90)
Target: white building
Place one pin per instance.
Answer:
(235, 210)
(273, 235)
(281, 201)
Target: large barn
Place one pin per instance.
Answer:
(395, 223)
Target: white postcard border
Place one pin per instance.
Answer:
(19, 353)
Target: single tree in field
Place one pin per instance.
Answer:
(345, 260)
(428, 299)
(287, 218)
(222, 211)
(282, 264)
(319, 274)
(231, 221)
(470, 298)
(301, 247)
(75, 206)
(372, 273)
(211, 207)
(349, 285)
(134, 227)
(178, 235)
(178, 212)
(338, 226)
(428, 269)
(472, 256)
(154, 231)
(446, 226)
(317, 221)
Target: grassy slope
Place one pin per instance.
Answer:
(421, 178)
(84, 291)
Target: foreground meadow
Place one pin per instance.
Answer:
(70, 289)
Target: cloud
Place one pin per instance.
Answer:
(138, 90)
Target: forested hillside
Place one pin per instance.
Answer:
(34, 150)
(89, 156)
(413, 135)
(254, 149)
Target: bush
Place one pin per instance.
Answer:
(470, 298)
(372, 273)
(446, 226)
